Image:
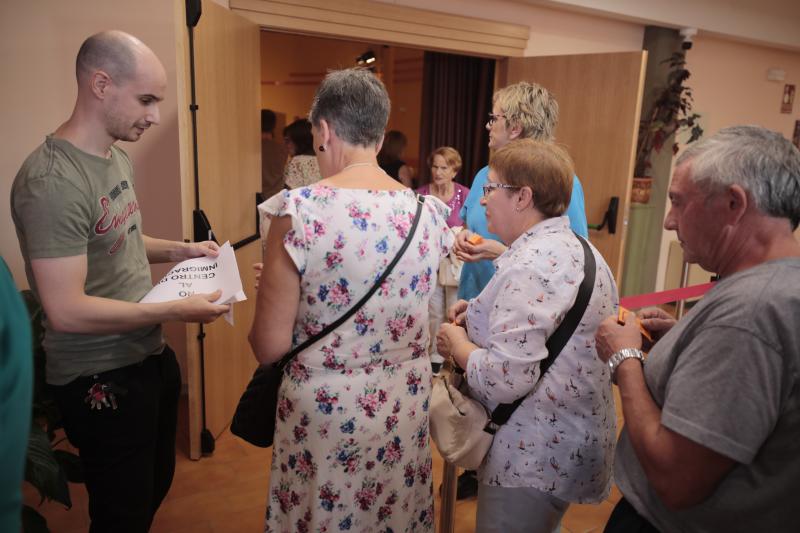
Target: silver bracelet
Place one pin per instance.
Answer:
(618, 357)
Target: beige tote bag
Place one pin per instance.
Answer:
(457, 422)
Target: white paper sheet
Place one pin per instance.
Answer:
(199, 276)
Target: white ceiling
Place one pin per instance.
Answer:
(770, 22)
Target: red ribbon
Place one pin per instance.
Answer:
(664, 297)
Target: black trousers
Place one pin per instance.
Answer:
(128, 453)
(625, 519)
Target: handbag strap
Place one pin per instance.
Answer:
(332, 326)
(555, 344)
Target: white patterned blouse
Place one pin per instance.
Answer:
(561, 439)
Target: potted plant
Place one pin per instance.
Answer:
(671, 114)
(48, 469)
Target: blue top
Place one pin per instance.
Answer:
(475, 276)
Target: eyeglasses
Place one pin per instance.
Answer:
(493, 118)
(489, 187)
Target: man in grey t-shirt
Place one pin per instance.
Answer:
(80, 231)
(712, 419)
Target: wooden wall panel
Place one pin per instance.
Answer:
(385, 23)
(227, 60)
(227, 51)
(228, 95)
(599, 97)
(229, 360)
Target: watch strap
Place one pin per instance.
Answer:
(618, 357)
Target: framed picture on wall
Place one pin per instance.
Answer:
(788, 98)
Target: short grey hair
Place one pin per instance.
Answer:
(355, 104)
(110, 51)
(762, 162)
(531, 107)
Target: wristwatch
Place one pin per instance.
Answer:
(618, 357)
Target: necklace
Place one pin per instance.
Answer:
(361, 164)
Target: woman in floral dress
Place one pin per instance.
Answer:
(302, 168)
(351, 449)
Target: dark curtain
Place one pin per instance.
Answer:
(456, 101)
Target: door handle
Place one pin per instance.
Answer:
(204, 232)
(610, 217)
(256, 235)
(202, 227)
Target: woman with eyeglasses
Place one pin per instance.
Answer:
(557, 447)
(520, 111)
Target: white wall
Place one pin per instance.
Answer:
(771, 22)
(730, 87)
(38, 43)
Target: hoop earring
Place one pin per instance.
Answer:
(321, 148)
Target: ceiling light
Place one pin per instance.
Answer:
(367, 58)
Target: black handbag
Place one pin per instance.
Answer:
(254, 419)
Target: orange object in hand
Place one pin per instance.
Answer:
(475, 238)
(621, 322)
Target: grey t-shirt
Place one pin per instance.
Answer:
(65, 202)
(727, 377)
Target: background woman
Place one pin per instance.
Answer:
(390, 157)
(445, 163)
(558, 445)
(302, 168)
(351, 447)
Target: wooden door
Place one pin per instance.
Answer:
(600, 99)
(228, 96)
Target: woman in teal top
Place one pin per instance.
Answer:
(522, 110)
(16, 389)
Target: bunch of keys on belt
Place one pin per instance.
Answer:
(103, 395)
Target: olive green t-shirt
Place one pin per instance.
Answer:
(66, 202)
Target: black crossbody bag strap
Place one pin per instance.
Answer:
(558, 339)
(339, 321)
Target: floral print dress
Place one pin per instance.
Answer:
(351, 449)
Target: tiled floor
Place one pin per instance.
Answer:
(226, 493)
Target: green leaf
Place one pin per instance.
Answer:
(43, 471)
(71, 465)
(32, 521)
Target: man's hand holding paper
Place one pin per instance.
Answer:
(216, 279)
